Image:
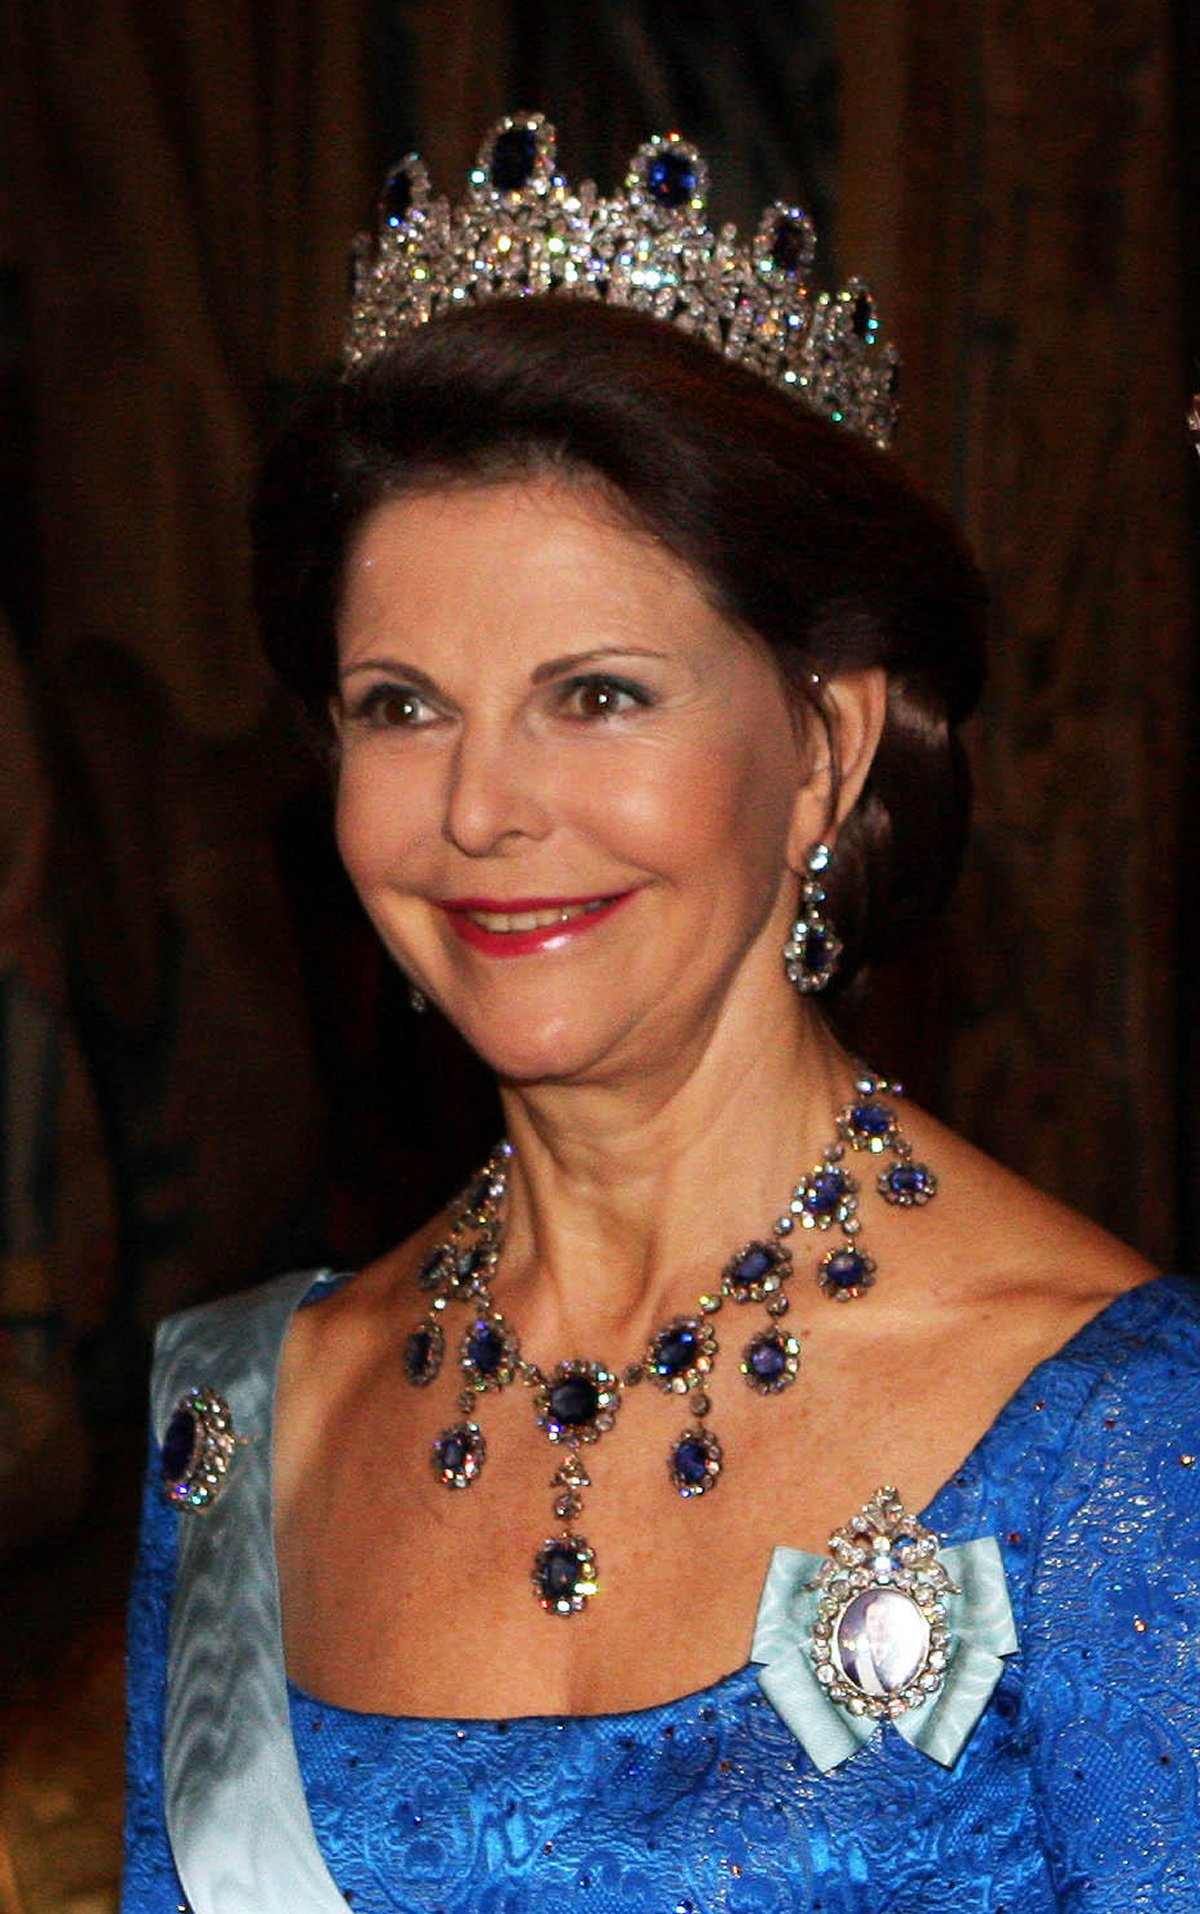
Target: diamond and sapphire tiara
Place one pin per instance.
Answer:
(522, 230)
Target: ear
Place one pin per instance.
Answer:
(843, 751)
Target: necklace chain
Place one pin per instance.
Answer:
(577, 1401)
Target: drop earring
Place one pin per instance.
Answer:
(418, 1001)
(810, 956)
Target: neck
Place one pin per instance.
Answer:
(624, 1205)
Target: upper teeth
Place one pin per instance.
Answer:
(532, 919)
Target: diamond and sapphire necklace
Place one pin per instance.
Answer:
(577, 1401)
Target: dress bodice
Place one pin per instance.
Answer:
(1077, 1790)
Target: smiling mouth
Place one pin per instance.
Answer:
(543, 918)
(521, 926)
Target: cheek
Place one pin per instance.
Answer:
(374, 826)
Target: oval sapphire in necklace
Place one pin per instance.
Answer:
(681, 1355)
(489, 1353)
(694, 1463)
(423, 1354)
(577, 1402)
(564, 1575)
(459, 1454)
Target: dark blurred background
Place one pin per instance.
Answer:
(206, 1070)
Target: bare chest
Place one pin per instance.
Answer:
(405, 1595)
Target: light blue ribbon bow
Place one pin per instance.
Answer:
(979, 1617)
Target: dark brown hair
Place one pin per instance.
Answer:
(798, 531)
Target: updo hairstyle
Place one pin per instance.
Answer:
(797, 531)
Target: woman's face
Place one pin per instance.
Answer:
(571, 796)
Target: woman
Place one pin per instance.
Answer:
(620, 651)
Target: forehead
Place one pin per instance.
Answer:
(532, 548)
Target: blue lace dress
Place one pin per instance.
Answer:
(1079, 1788)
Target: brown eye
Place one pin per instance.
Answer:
(603, 697)
(392, 708)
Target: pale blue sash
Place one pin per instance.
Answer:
(238, 1821)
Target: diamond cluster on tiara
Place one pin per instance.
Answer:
(522, 230)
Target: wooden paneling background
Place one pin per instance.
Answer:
(176, 191)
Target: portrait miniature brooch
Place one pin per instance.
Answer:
(889, 1626)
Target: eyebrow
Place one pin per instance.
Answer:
(571, 661)
(553, 667)
(420, 680)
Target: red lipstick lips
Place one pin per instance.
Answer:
(521, 926)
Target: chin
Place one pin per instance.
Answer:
(543, 1050)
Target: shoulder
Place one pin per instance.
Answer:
(229, 1342)
(1132, 1376)
(1113, 1616)
(1141, 1354)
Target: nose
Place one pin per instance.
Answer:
(498, 792)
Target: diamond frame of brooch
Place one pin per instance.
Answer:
(214, 1441)
(882, 1548)
(608, 1401)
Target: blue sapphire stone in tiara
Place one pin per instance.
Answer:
(907, 1185)
(513, 159)
(396, 199)
(791, 244)
(672, 178)
(423, 1354)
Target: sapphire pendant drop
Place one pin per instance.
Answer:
(564, 1575)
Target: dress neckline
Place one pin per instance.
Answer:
(935, 1515)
